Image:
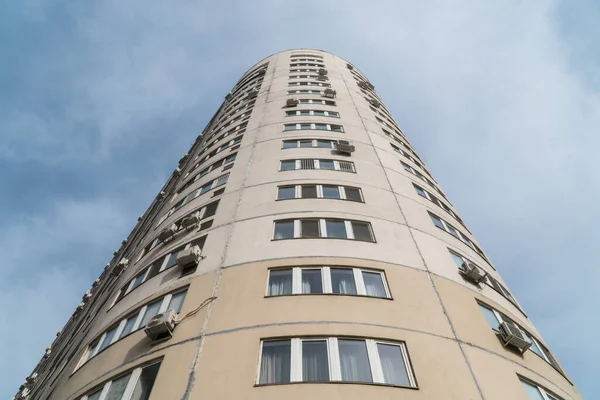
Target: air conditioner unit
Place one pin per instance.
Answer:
(177, 172)
(161, 326)
(512, 335)
(472, 272)
(162, 194)
(87, 295)
(48, 352)
(96, 282)
(31, 378)
(322, 71)
(228, 96)
(362, 84)
(183, 159)
(80, 306)
(191, 221)
(349, 66)
(251, 94)
(120, 267)
(189, 256)
(344, 146)
(370, 85)
(330, 93)
(292, 102)
(322, 78)
(167, 234)
(374, 103)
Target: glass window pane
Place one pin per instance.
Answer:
(144, 384)
(286, 192)
(95, 396)
(280, 282)
(321, 126)
(336, 229)
(374, 284)
(275, 362)
(342, 281)
(437, 222)
(128, 325)
(354, 361)
(305, 143)
(337, 128)
(352, 194)
(288, 144)
(92, 349)
(110, 334)
(138, 280)
(155, 267)
(284, 229)
(420, 191)
(289, 127)
(453, 231)
(151, 311)
(288, 165)
(117, 388)
(458, 260)
(311, 281)
(331, 192)
(309, 191)
(392, 363)
(326, 164)
(490, 317)
(309, 228)
(533, 393)
(315, 362)
(177, 301)
(305, 126)
(172, 261)
(324, 144)
(362, 231)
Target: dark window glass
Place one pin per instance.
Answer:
(280, 282)
(324, 144)
(354, 361)
(284, 229)
(392, 363)
(331, 192)
(305, 143)
(288, 144)
(275, 362)
(286, 192)
(309, 191)
(310, 228)
(336, 229)
(315, 362)
(172, 261)
(342, 281)
(312, 281)
(145, 383)
(352, 194)
(211, 209)
(287, 165)
(326, 164)
(362, 231)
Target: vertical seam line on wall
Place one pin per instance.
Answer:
(200, 346)
(416, 244)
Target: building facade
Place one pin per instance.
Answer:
(300, 250)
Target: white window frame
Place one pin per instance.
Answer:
(131, 383)
(314, 144)
(317, 165)
(546, 395)
(333, 358)
(326, 280)
(323, 229)
(313, 127)
(319, 188)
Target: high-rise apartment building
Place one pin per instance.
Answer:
(301, 250)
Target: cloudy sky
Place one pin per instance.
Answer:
(98, 100)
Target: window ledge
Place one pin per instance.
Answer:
(336, 382)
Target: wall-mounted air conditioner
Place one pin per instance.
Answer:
(161, 326)
(349, 66)
(322, 71)
(472, 272)
(329, 93)
(374, 103)
(292, 102)
(120, 266)
(167, 234)
(345, 147)
(513, 336)
(191, 221)
(189, 258)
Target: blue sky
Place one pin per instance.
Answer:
(98, 100)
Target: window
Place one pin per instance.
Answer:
(317, 101)
(320, 84)
(535, 392)
(327, 280)
(306, 91)
(318, 113)
(445, 226)
(138, 383)
(306, 143)
(326, 228)
(310, 191)
(332, 359)
(495, 318)
(310, 163)
(134, 321)
(323, 127)
(220, 181)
